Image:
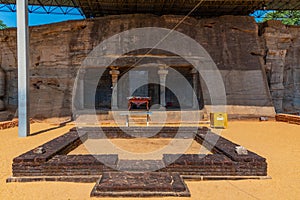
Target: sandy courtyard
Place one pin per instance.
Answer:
(140, 148)
(278, 142)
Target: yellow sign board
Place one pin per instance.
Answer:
(218, 120)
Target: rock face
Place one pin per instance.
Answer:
(283, 65)
(234, 43)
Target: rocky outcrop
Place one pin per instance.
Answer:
(57, 51)
(2, 89)
(283, 65)
(235, 47)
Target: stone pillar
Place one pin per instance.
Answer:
(123, 90)
(80, 88)
(195, 88)
(114, 72)
(162, 72)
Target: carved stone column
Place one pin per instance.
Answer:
(195, 87)
(163, 72)
(80, 88)
(114, 72)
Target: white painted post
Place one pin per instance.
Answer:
(23, 67)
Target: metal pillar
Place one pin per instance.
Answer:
(23, 67)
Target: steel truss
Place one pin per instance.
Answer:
(65, 7)
(208, 8)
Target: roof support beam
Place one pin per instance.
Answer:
(23, 67)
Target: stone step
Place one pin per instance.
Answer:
(156, 116)
(137, 123)
(137, 117)
(140, 165)
(147, 184)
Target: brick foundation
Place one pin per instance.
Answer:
(292, 119)
(140, 185)
(53, 164)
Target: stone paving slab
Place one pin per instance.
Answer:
(140, 165)
(148, 184)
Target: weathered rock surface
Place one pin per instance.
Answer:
(233, 42)
(283, 65)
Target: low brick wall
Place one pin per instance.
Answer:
(224, 162)
(292, 119)
(54, 161)
(11, 124)
(132, 132)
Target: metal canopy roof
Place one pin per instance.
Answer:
(205, 8)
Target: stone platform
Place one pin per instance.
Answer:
(51, 162)
(157, 117)
(149, 184)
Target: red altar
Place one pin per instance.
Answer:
(138, 101)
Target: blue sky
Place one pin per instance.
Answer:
(9, 18)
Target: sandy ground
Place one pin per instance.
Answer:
(140, 148)
(278, 142)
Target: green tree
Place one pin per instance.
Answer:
(2, 25)
(288, 17)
